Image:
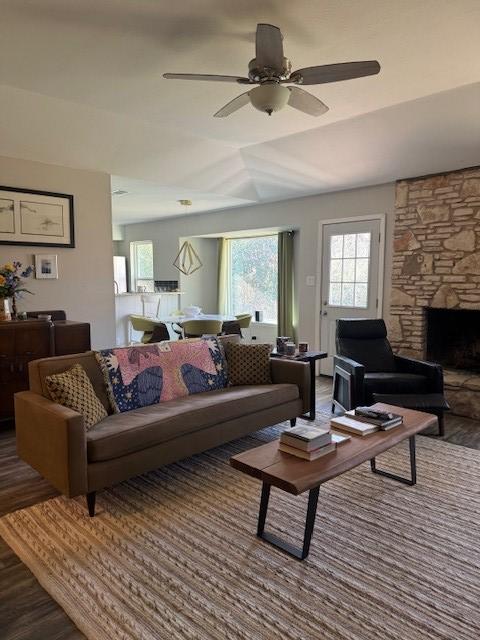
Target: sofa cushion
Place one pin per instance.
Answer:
(393, 383)
(74, 390)
(143, 375)
(248, 364)
(124, 433)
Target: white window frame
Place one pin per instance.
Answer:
(230, 288)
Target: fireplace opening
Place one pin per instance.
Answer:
(453, 338)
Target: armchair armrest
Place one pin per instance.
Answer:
(52, 439)
(348, 380)
(432, 371)
(293, 372)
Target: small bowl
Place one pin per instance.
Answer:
(192, 311)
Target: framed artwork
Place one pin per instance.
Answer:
(46, 266)
(36, 218)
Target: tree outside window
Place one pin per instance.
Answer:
(254, 276)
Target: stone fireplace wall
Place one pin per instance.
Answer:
(436, 262)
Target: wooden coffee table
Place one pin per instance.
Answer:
(294, 475)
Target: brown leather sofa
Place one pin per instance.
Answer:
(53, 439)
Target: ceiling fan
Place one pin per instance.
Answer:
(271, 71)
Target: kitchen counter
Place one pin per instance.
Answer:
(150, 293)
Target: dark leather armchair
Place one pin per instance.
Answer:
(365, 365)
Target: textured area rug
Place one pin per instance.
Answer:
(173, 554)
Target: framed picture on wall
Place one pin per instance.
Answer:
(46, 266)
(36, 218)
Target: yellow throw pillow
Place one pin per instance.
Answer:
(248, 363)
(73, 389)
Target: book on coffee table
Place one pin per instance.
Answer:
(384, 420)
(349, 424)
(340, 438)
(308, 455)
(306, 438)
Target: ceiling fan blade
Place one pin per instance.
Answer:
(335, 72)
(235, 104)
(209, 78)
(269, 47)
(306, 102)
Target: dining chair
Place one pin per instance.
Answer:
(231, 327)
(244, 320)
(198, 328)
(151, 300)
(153, 331)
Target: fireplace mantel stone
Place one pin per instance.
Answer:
(436, 262)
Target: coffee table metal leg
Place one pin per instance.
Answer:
(276, 541)
(413, 467)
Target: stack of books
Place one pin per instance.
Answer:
(309, 443)
(364, 420)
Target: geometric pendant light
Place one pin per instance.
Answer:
(187, 260)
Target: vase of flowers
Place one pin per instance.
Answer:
(12, 285)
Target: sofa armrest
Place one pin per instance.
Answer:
(432, 371)
(348, 382)
(293, 372)
(52, 439)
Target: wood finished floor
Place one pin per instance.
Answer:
(26, 610)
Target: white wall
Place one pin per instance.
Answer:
(200, 288)
(302, 214)
(84, 288)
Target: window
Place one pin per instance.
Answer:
(141, 255)
(349, 270)
(254, 276)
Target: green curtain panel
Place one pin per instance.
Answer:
(223, 275)
(286, 311)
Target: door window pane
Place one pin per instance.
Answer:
(336, 270)
(349, 245)
(336, 294)
(347, 294)
(349, 270)
(363, 245)
(336, 247)
(361, 295)
(361, 274)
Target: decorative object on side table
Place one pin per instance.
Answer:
(11, 285)
(46, 267)
(36, 218)
(281, 342)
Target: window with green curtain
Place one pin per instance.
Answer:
(252, 280)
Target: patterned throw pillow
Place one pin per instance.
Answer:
(73, 389)
(143, 375)
(248, 363)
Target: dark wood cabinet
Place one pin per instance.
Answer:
(25, 340)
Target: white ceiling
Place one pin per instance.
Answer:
(81, 85)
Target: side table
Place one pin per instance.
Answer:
(311, 357)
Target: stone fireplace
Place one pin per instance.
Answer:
(435, 297)
(453, 338)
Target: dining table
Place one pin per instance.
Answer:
(177, 319)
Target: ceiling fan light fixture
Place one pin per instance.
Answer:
(269, 97)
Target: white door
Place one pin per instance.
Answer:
(349, 289)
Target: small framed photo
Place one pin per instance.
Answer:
(46, 266)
